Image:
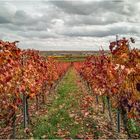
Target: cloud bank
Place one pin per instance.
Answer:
(69, 24)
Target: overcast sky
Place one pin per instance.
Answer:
(69, 24)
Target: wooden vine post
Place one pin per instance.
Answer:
(24, 98)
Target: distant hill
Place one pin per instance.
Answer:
(73, 53)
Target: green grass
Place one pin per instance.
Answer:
(58, 116)
(71, 58)
(133, 127)
(64, 118)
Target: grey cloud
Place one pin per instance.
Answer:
(38, 35)
(93, 19)
(3, 20)
(22, 18)
(5, 13)
(73, 7)
(99, 12)
(100, 31)
(87, 8)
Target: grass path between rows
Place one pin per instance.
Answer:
(73, 113)
(65, 118)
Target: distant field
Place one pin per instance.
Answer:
(69, 53)
(70, 58)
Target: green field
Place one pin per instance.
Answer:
(70, 58)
